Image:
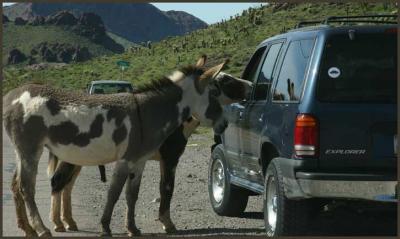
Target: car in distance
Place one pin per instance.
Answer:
(319, 124)
(109, 87)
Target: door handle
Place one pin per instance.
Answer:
(240, 115)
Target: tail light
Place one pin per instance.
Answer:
(306, 136)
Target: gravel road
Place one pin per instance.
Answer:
(190, 210)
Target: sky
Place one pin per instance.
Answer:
(208, 12)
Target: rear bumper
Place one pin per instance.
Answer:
(301, 182)
(369, 190)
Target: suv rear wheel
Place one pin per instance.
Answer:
(282, 217)
(226, 199)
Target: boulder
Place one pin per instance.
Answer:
(36, 21)
(49, 56)
(5, 19)
(56, 52)
(64, 55)
(81, 54)
(20, 21)
(62, 18)
(31, 60)
(15, 56)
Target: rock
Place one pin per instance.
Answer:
(91, 20)
(81, 54)
(34, 51)
(31, 60)
(91, 26)
(19, 21)
(62, 18)
(5, 19)
(64, 56)
(49, 56)
(36, 21)
(56, 52)
(15, 56)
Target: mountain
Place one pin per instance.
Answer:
(59, 37)
(136, 22)
(187, 22)
(235, 39)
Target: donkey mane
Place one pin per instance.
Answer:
(160, 85)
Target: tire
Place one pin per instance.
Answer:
(282, 216)
(226, 199)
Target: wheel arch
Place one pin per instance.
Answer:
(267, 152)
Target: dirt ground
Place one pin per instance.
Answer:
(190, 210)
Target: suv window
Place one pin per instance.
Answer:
(249, 73)
(291, 77)
(360, 70)
(263, 85)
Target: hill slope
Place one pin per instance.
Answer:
(27, 37)
(136, 22)
(235, 39)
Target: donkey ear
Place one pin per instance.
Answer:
(213, 71)
(210, 74)
(202, 61)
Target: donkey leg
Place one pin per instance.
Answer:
(22, 218)
(117, 183)
(28, 170)
(132, 193)
(167, 182)
(55, 212)
(66, 201)
(55, 203)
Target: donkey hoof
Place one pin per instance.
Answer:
(134, 232)
(45, 234)
(30, 234)
(72, 227)
(170, 229)
(59, 228)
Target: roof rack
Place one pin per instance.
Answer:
(362, 19)
(305, 23)
(377, 19)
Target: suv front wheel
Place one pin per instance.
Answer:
(226, 199)
(282, 216)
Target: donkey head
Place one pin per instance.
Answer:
(209, 90)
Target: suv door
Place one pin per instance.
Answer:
(253, 117)
(287, 93)
(358, 115)
(234, 115)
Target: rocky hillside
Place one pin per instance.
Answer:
(60, 37)
(235, 39)
(136, 22)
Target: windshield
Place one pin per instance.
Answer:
(111, 88)
(363, 69)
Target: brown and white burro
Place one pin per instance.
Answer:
(89, 130)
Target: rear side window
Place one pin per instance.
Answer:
(292, 73)
(363, 69)
(263, 85)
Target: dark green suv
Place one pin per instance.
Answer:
(319, 124)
